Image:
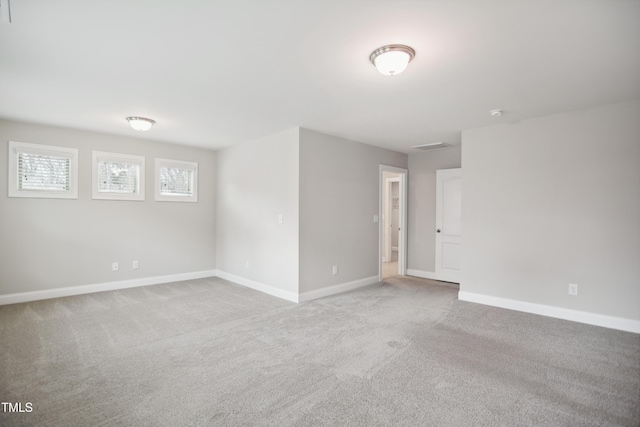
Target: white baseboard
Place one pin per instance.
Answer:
(267, 289)
(336, 289)
(101, 287)
(157, 280)
(424, 274)
(612, 322)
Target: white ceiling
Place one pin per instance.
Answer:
(216, 73)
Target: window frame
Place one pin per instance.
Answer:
(170, 163)
(100, 156)
(16, 147)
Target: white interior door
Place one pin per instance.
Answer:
(448, 224)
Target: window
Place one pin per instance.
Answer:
(118, 176)
(44, 171)
(176, 181)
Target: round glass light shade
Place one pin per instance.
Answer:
(392, 63)
(393, 59)
(140, 123)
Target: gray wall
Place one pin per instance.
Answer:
(422, 204)
(552, 201)
(53, 243)
(339, 184)
(257, 181)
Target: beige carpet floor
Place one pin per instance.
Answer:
(390, 269)
(406, 352)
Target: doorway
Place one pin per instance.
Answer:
(393, 237)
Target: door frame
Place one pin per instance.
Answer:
(402, 216)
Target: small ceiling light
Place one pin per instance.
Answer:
(392, 59)
(495, 113)
(141, 123)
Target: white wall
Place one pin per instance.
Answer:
(53, 243)
(49, 244)
(339, 184)
(422, 206)
(555, 200)
(257, 181)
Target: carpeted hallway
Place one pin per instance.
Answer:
(407, 352)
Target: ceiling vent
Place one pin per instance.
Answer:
(431, 146)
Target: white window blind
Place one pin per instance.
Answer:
(43, 171)
(118, 176)
(176, 181)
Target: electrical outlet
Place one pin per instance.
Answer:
(246, 265)
(573, 289)
(135, 265)
(280, 219)
(114, 266)
(335, 270)
(375, 219)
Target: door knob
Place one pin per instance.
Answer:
(438, 230)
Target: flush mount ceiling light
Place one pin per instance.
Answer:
(392, 59)
(140, 123)
(495, 113)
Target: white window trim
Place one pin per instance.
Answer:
(159, 197)
(122, 158)
(16, 147)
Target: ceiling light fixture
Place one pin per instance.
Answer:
(141, 123)
(392, 59)
(495, 113)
